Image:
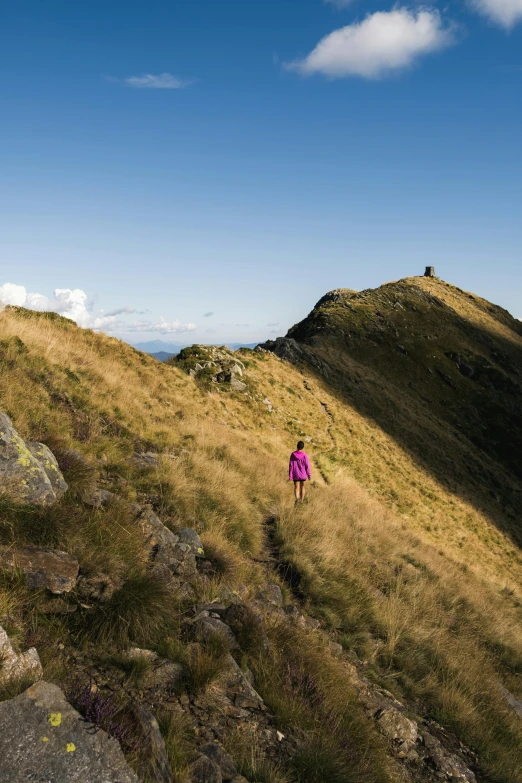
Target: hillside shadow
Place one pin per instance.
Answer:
(461, 424)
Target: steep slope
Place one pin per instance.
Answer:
(440, 371)
(417, 581)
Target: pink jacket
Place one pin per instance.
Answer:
(299, 469)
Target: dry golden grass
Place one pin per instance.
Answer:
(417, 581)
(437, 630)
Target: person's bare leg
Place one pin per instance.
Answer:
(296, 491)
(303, 490)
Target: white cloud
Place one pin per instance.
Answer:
(74, 304)
(503, 12)
(159, 81)
(383, 42)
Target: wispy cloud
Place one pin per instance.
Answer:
(383, 42)
(274, 323)
(161, 327)
(339, 3)
(158, 81)
(74, 304)
(207, 315)
(505, 13)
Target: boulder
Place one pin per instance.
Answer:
(190, 538)
(220, 757)
(237, 385)
(175, 551)
(57, 571)
(207, 628)
(49, 463)
(157, 759)
(204, 770)
(236, 684)
(25, 667)
(399, 729)
(42, 738)
(22, 477)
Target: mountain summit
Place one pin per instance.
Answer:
(437, 368)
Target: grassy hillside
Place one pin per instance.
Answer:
(407, 552)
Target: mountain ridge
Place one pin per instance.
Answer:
(395, 591)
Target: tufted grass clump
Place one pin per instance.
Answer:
(136, 612)
(311, 694)
(179, 737)
(204, 663)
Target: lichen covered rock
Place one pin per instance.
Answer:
(43, 738)
(48, 461)
(23, 478)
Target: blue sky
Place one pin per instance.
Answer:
(206, 171)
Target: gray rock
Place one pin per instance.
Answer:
(271, 594)
(191, 539)
(163, 673)
(22, 477)
(236, 385)
(98, 498)
(207, 628)
(173, 554)
(224, 761)
(204, 770)
(48, 461)
(513, 702)
(57, 571)
(448, 765)
(24, 667)
(236, 683)
(399, 729)
(157, 535)
(157, 759)
(42, 738)
(146, 460)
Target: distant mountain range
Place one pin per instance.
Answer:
(163, 350)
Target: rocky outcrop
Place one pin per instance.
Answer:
(56, 571)
(217, 365)
(29, 473)
(172, 554)
(43, 738)
(24, 667)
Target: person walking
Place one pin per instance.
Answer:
(299, 471)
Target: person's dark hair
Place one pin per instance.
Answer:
(300, 445)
